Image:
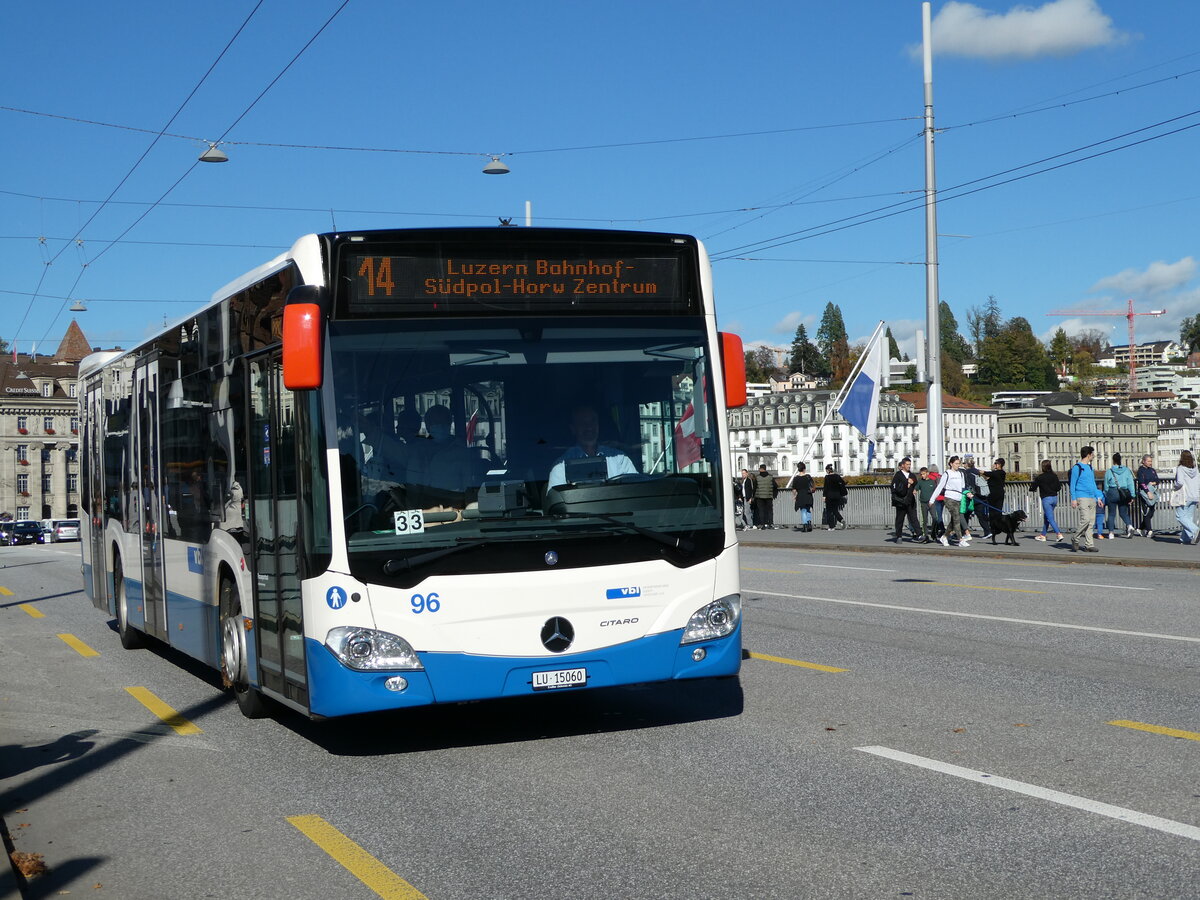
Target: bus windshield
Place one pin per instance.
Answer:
(595, 434)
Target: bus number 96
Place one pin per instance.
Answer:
(425, 603)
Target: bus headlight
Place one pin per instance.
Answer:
(714, 620)
(368, 650)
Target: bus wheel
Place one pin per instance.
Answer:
(131, 638)
(233, 655)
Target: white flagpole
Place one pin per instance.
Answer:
(854, 370)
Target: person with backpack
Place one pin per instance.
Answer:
(931, 518)
(951, 489)
(1119, 489)
(765, 491)
(835, 494)
(1147, 485)
(801, 485)
(976, 488)
(1086, 498)
(1187, 485)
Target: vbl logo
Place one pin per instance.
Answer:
(620, 593)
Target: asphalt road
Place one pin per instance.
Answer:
(924, 726)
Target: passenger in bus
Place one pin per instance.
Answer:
(585, 429)
(443, 473)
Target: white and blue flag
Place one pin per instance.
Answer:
(861, 404)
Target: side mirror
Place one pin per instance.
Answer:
(733, 365)
(303, 326)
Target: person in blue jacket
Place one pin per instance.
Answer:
(1119, 491)
(1086, 498)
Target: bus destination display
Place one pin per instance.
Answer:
(393, 283)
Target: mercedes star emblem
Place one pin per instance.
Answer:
(557, 634)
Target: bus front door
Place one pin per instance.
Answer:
(93, 457)
(147, 498)
(279, 617)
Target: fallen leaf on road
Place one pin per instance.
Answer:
(29, 864)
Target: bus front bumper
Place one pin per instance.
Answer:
(335, 690)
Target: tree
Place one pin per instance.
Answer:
(754, 372)
(1016, 357)
(954, 345)
(840, 362)
(3, 345)
(805, 356)
(760, 364)
(1082, 364)
(1093, 340)
(1060, 351)
(1189, 333)
(893, 347)
(831, 330)
(984, 322)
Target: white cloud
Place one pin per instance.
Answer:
(1056, 28)
(787, 325)
(1156, 278)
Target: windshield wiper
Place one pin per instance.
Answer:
(408, 563)
(673, 541)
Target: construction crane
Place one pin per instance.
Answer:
(1128, 314)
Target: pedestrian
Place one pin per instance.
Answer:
(1047, 485)
(1147, 484)
(1118, 494)
(746, 490)
(950, 490)
(834, 491)
(931, 518)
(801, 485)
(974, 479)
(904, 499)
(1187, 486)
(1085, 497)
(991, 489)
(765, 491)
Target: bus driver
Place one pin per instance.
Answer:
(585, 428)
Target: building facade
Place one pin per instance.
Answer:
(1178, 430)
(39, 432)
(967, 428)
(784, 428)
(1055, 426)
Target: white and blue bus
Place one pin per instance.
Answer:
(396, 468)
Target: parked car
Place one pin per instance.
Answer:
(64, 530)
(21, 533)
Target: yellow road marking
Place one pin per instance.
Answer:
(796, 662)
(6, 592)
(361, 864)
(36, 613)
(981, 587)
(1158, 729)
(164, 712)
(78, 646)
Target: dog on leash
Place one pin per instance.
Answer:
(1006, 524)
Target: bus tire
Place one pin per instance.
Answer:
(131, 638)
(233, 654)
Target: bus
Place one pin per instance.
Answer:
(392, 468)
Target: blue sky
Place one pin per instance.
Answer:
(762, 127)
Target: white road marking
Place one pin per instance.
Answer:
(965, 615)
(1120, 813)
(852, 568)
(1119, 587)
